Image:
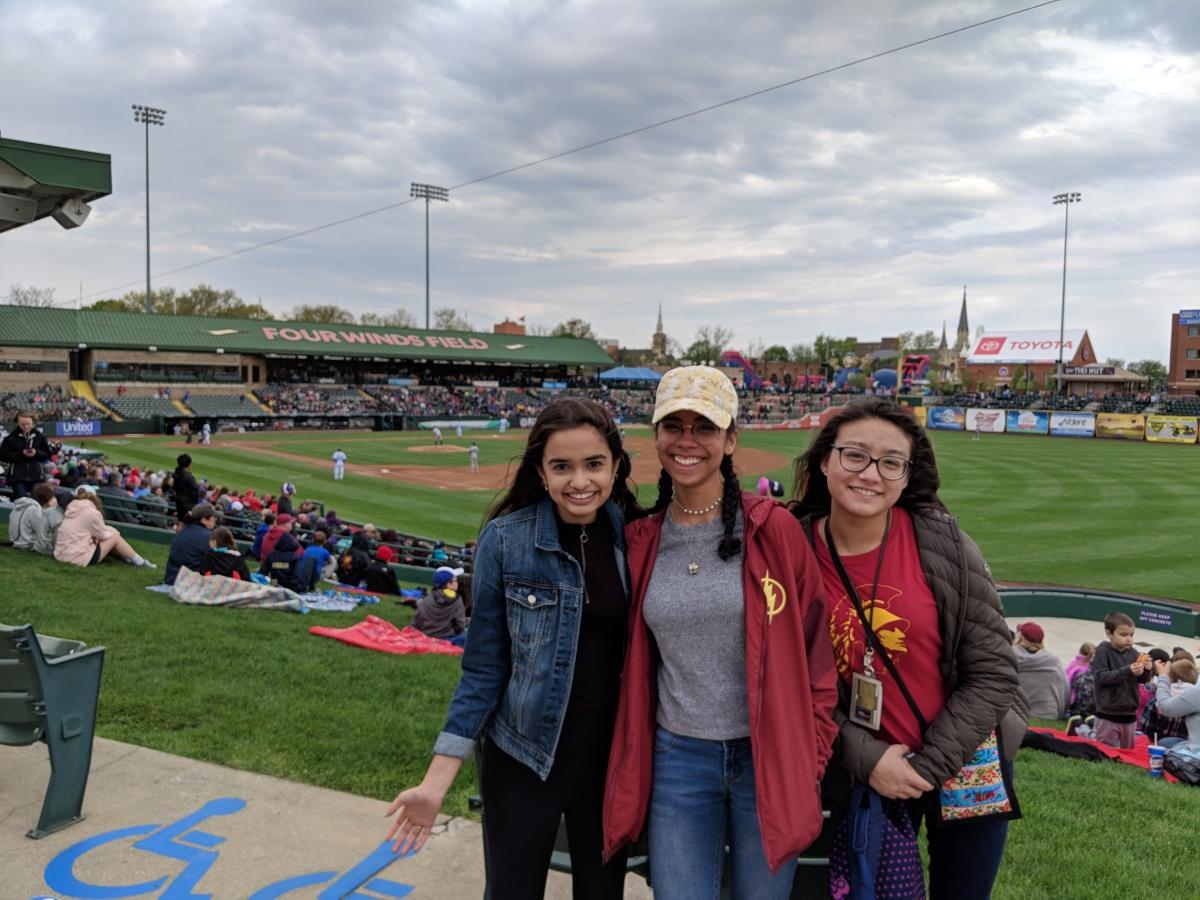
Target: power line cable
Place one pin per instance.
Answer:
(597, 143)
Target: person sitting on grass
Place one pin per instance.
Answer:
(441, 614)
(354, 560)
(84, 539)
(281, 552)
(190, 545)
(284, 524)
(379, 577)
(260, 532)
(322, 559)
(223, 557)
(1177, 695)
(1082, 660)
(34, 520)
(1042, 678)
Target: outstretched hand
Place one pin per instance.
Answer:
(895, 778)
(415, 810)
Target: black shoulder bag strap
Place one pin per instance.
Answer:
(867, 629)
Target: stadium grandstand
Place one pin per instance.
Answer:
(158, 371)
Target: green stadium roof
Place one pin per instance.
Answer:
(37, 180)
(26, 326)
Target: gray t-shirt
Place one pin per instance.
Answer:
(698, 623)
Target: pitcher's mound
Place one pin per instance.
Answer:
(437, 448)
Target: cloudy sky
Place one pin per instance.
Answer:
(854, 203)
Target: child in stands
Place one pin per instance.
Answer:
(1082, 660)
(441, 614)
(223, 557)
(1118, 669)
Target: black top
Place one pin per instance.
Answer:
(600, 652)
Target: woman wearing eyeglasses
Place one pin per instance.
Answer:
(725, 722)
(893, 559)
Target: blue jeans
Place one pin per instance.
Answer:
(702, 799)
(964, 859)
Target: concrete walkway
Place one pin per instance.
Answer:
(1063, 636)
(228, 834)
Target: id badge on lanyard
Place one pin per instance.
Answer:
(866, 700)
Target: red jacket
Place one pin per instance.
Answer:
(791, 685)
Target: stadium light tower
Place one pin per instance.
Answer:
(150, 116)
(428, 192)
(1066, 200)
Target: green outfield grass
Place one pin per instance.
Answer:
(1103, 514)
(253, 690)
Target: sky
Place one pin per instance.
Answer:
(854, 203)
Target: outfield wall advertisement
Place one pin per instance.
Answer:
(1073, 424)
(1027, 421)
(946, 418)
(1171, 429)
(1127, 426)
(88, 428)
(990, 421)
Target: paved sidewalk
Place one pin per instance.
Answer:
(236, 833)
(1063, 636)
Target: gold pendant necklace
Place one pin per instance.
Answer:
(693, 567)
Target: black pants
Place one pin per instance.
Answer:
(521, 815)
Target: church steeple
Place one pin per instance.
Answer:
(963, 338)
(943, 345)
(658, 343)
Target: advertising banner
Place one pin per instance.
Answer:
(554, 385)
(1171, 429)
(77, 429)
(1027, 421)
(922, 415)
(985, 420)
(946, 418)
(1128, 426)
(1073, 424)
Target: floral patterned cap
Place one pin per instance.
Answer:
(701, 389)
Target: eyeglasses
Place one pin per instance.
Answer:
(703, 430)
(893, 468)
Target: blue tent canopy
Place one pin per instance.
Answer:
(630, 373)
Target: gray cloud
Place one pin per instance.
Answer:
(857, 203)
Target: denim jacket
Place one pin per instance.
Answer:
(520, 654)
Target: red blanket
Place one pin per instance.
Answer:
(375, 634)
(1137, 755)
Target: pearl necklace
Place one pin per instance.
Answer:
(698, 512)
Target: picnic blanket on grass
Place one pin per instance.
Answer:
(217, 590)
(1048, 738)
(373, 633)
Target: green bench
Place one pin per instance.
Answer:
(49, 691)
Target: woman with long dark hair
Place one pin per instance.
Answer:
(893, 559)
(725, 721)
(543, 659)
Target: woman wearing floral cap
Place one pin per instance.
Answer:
(725, 719)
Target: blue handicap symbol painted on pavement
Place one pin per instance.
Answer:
(183, 842)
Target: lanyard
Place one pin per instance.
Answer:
(869, 625)
(872, 639)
